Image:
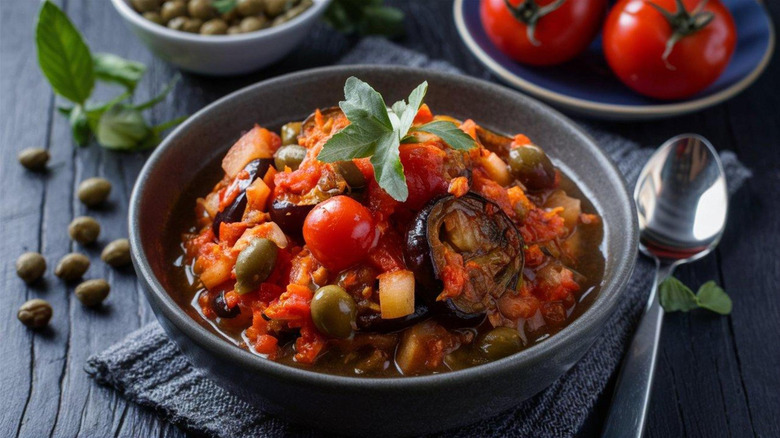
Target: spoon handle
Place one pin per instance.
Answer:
(628, 411)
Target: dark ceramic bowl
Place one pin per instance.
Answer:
(390, 406)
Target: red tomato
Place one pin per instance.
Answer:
(635, 44)
(339, 232)
(559, 33)
(423, 167)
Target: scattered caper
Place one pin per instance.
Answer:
(193, 25)
(92, 292)
(154, 17)
(500, 342)
(116, 253)
(290, 133)
(30, 266)
(34, 158)
(251, 24)
(531, 166)
(145, 5)
(178, 23)
(201, 9)
(84, 230)
(289, 156)
(249, 7)
(333, 311)
(351, 174)
(275, 7)
(215, 26)
(72, 266)
(93, 191)
(254, 264)
(35, 313)
(172, 9)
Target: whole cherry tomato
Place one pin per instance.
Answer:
(669, 49)
(339, 232)
(542, 32)
(423, 168)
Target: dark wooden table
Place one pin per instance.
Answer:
(717, 376)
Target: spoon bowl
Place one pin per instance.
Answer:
(681, 203)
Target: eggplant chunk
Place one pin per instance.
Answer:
(235, 211)
(465, 253)
(308, 125)
(289, 215)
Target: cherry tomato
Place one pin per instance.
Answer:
(640, 46)
(542, 32)
(339, 232)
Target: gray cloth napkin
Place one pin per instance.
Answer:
(147, 368)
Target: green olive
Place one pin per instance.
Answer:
(234, 30)
(254, 264)
(72, 266)
(292, 12)
(145, 5)
(290, 133)
(230, 16)
(532, 167)
(275, 7)
(193, 25)
(216, 26)
(201, 9)
(333, 311)
(500, 342)
(92, 292)
(249, 7)
(290, 156)
(34, 159)
(154, 17)
(116, 253)
(352, 175)
(252, 24)
(35, 313)
(30, 266)
(178, 23)
(84, 230)
(172, 9)
(93, 191)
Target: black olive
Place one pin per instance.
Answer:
(373, 322)
(479, 232)
(220, 307)
(289, 216)
(235, 211)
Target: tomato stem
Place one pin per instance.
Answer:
(683, 23)
(529, 13)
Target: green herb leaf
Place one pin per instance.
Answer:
(224, 6)
(366, 17)
(63, 56)
(122, 128)
(112, 68)
(675, 296)
(450, 134)
(160, 97)
(79, 125)
(712, 297)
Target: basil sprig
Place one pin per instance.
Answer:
(675, 296)
(377, 132)
(72, 70)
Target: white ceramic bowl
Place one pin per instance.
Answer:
(221, 55)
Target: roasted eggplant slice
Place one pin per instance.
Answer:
(308, 125)
(496, 143)
(465, 253)
(235, 211)
(373, 322)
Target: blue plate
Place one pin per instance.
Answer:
(587, 87)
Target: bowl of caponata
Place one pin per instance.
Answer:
(219, 37)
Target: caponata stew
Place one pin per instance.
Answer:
(314, 265)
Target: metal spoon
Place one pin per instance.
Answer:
(681, 201)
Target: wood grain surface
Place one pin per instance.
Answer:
(717, 376)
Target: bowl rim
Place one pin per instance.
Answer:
(129, 14)
(607, 300)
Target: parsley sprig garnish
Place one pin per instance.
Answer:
(377, 131)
